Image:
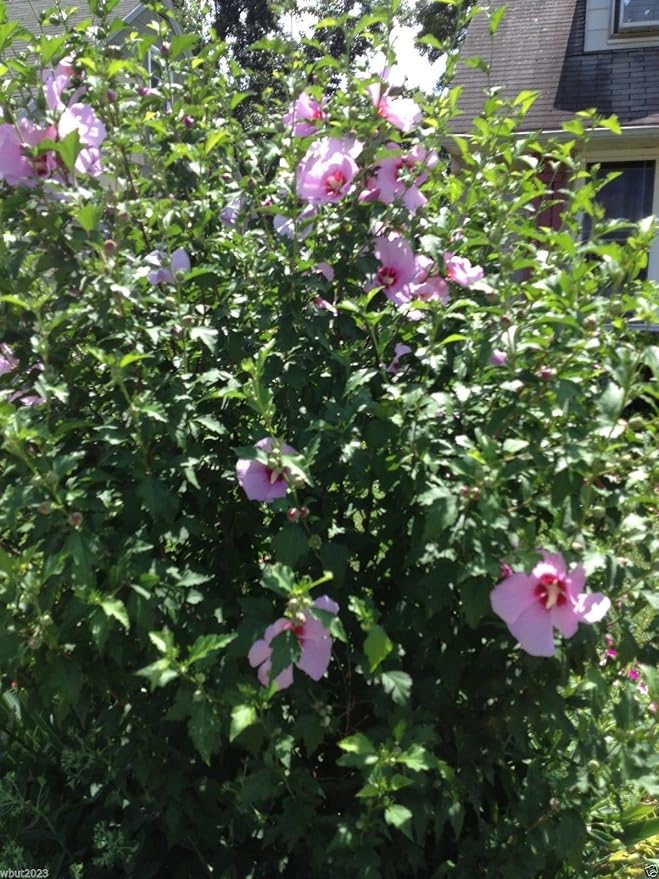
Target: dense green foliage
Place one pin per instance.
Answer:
(135, 574)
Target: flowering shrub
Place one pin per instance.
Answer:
(315, 351)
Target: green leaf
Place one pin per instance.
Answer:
(495, 19)
(204, 727)
(158, 673)
(397, 684)
(68, 148)
(114, 607)
(399, 817)
(512, 446)
(132, 357)
(417, 759)
(207, 644)
(206, 335)
(291, 544)
(182, 43)
(279, 578)
(89, 217)
(377, 646)
(163, 641)
(357, 744)
(211, 424)
(285, 650)
(611, 401)
(242, 716)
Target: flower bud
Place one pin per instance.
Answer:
(165, 49)
(554, 804)
(304, 512)
(75, 519)
(546, 373)
(293, 514)
(188, 121)
(110, 247)
(111, 96)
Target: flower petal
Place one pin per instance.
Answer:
(533, 630)
(316, 651)
(565, 619)
(592, 607)
(324, 602)
(512, 596)
(259, 652)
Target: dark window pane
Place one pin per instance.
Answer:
(628, 197)
(640, 12)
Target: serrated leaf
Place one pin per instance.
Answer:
(416, 758)
(285, 650)
(278, 578)
(114, 607)
(399, 817)
(377, 646)
(204, 727)
(207, 644)
(158, 673)
(242, 716)
(397, 684)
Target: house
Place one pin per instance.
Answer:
(27, 12)
(578, 55)
(135, 15)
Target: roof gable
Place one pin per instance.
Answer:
(540, 46)
(27, 11)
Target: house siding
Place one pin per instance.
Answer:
(27, 13)
(540, 46)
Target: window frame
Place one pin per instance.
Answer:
(631, 29)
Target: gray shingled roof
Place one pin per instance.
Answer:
(27, 11)
(539, 46)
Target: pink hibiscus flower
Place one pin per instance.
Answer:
(8, 363)
(262, 482)
(550, 596)
(17, 167)
(15, 141)
(304, 114)
(326, 171)
(460, 270)
(498, 357)
(403, 113)
(300, 227)
(179, 264)
(399, 177)
(398, 268)
(314, 640)
(427, 285)
(400, 350)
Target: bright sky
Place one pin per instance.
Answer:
(420, 72)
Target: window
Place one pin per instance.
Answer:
(633, 16)
(628, 197)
